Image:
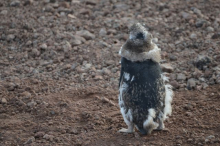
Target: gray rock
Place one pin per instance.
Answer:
(185, 15)
(48, 8)
(197, 11)
(86, 34)
(102, 32)
(106, 71)
(210, 29)
(175, 84)
(4, 12)
(43, 46)
(39, 134)
(181, 77)
(30, 140)
(88, 66)
(10, 86)
(202, 61)
(12, 48)
(73, 131)
(35, 53)
(166, 67)
(216, 35)
(26, 95)
(48, 137)
(15, 3)
(91, 2)
(191, 84)
(110, 62)
(193, 36)
(10, 37)
(121, 6)
(75, 42)
(4, 101)
(200, 22)
(204, 85)
(172, 57)
(31, 104)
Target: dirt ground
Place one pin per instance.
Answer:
(59, 70)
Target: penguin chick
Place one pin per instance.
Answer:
(144, 98)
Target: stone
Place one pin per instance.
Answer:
(48, 137)
(48, 8)
(64, 4)
(110, 62)
(166, 67)
(106, 71)
(74, 131)
(121, 6)
(202, 61)
(191, 84)
(30, 140)
(210, 29)
(200, 23)
(91, 2)
(216, 35)
(39, 134)
(85, 11)
(98, 77)
(15, 3)
(75, 42)
(204, 85)
(67, 66)
(185, 15)
(12, 48)
(197, 11)
(35, 52)
(172, 57)
(10, 86)
(86, 34)
(25, 94)
(88, 66)
(43, 46)
(31, 104)
(4, 101)
(102, 32)
(10, 37)
(4, 12)
(28, 2)
(71, 16)
(175, 84)
(181, 77)
(193, 36)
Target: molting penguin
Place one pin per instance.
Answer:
(144, 98)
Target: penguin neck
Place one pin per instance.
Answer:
(153, 54)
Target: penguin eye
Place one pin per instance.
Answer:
(140, 36)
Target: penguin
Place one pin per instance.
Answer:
(144, 95)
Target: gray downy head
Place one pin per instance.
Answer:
(140, 40)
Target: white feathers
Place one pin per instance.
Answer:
(149, 123)
(168, 98)
(153, 54)
(126, 116)
(132, 79)
(126, 76)
(122, 89)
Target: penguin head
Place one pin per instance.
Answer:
(140, 40)
(139, 45)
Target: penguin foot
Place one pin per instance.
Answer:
(162, 129)
(124, 130)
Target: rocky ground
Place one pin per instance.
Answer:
(59, 70)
